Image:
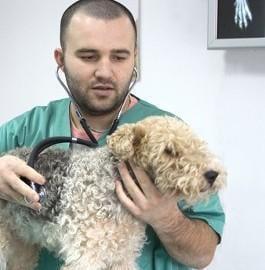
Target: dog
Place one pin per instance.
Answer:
(81, 220)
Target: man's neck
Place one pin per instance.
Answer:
(96, 122)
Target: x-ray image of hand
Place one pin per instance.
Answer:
(242, 13)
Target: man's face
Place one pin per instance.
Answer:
(98, 62)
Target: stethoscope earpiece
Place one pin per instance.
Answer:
(134, 80)
(135, 72)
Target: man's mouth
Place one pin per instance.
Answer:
(103, 91)
(103, 87)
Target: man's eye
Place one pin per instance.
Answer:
(89, 57)
(119, 58)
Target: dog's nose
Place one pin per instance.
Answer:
(211, 176)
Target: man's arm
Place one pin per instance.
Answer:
(190, 242)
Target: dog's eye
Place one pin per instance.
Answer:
(169, 151)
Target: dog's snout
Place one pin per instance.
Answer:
(211, 176)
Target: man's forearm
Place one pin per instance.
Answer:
(191, 242)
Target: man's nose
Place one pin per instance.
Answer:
(104, 70)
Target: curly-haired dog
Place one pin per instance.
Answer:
(81, 220)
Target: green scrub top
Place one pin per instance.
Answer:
(53, 120)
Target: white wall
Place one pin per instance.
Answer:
(220, 93)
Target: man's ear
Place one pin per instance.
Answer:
(59, 58)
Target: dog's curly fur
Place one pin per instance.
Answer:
(81, 220)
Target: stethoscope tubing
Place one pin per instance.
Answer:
(41, 146)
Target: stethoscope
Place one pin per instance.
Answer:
(82, 120)
(42, 145)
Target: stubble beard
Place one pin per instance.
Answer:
(87, 105)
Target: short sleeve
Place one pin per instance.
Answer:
(210, 211)
(8, 137)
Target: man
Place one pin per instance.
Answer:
(97, 56)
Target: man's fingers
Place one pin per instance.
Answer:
(146, 184)
(19, 167)
(12, 188)
(26, 171)
(129, 184)
(12, 196)
(22, 188)
(12, 169)
(125, 200)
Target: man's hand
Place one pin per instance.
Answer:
(12, 188)
(145, 201)
(191, 242)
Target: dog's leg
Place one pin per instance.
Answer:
(15, 254)
(125, 266)
(27, 257)
(86, 266)
(2, 261)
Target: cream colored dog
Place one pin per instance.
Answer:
(81, 220)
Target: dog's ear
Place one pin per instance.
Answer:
(124, 140)
(138, 134)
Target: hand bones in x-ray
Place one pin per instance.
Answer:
(242, 13)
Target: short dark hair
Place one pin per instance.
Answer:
(101, 9)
